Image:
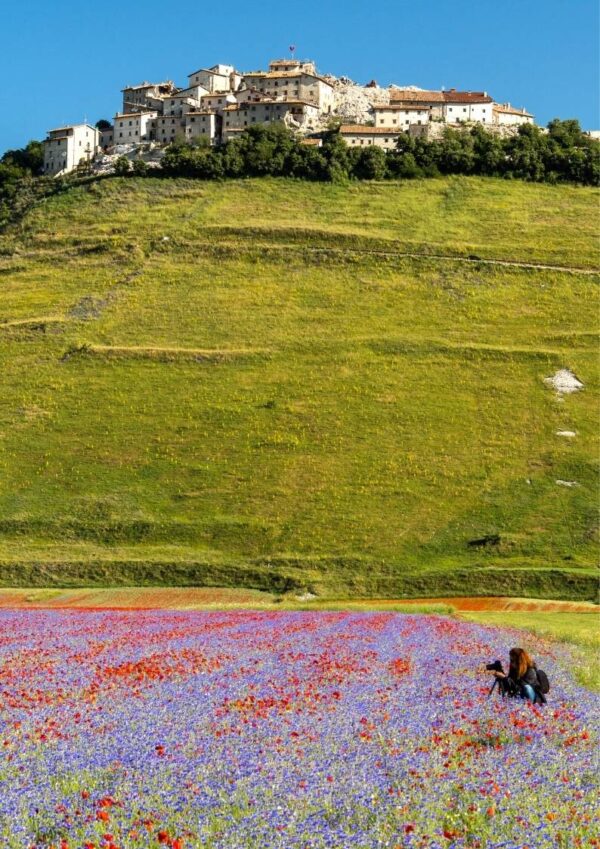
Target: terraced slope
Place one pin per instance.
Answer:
(274, 384)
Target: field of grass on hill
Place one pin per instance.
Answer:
(252, 383)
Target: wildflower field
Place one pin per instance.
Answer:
(133, 729)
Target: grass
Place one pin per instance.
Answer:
(232, 384)
(580, 630)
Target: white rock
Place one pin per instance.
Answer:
(569, 433)
(564, 381)
(566, 483)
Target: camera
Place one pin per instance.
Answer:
(506, 686)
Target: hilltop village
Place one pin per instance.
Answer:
(220, 102)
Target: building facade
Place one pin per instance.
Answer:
(146, 96)
(401, 115)
(295, 114)
(66, 147)
(508, 116)
(134, 127)
(359, 135)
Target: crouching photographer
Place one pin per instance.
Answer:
(523, 680)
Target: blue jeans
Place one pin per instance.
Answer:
(527, 692)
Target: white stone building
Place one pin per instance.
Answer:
(134, 127)
(217, 78)
(293, 65)
(298, 84)
(218, 101)
(401, 115)
(509, 116)
(67, 146)
(106, 137)
(431, 100)
(467, 107)
(359, 135)
(451, 106)
(295, 114)
(202, 125)
(146, 96)
(180, 103)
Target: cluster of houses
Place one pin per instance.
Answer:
(220, 102)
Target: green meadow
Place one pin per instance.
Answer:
(284, 385)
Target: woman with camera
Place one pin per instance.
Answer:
(522, 678)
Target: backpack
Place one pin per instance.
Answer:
(543, 683)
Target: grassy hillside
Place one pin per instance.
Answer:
(253, 383)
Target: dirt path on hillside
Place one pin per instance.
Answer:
(473, 260)
(510, 263)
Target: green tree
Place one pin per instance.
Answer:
(122, 166)
(371, 164)
(140, 168)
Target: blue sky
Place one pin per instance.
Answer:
(65, 61)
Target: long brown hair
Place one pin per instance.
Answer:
(520, 662)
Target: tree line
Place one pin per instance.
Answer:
(562, 153)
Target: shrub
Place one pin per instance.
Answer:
(122, 166)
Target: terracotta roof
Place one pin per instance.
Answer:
(511, 110)
(361, 129)
(450, 96)
(315, 142)
(409, 95)
(453, 96)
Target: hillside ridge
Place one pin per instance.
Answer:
(194, 396)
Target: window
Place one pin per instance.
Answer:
(192, 120)
(130, 123)
(464, 108)
(381, 120)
